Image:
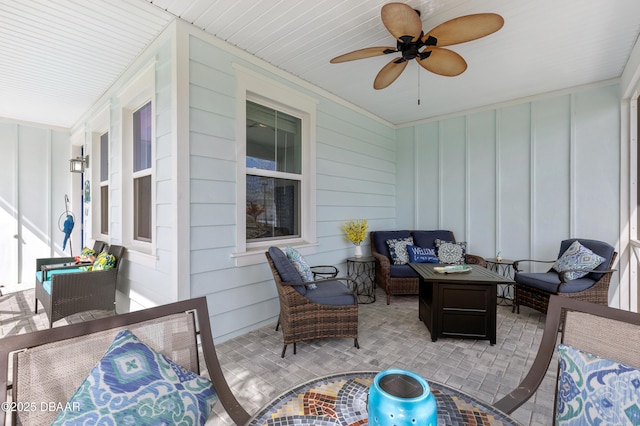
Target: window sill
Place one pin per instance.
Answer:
(255, 256)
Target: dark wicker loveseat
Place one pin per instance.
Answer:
(401, 279)
(75, 292)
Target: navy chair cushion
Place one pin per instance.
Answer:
(331, 292)
(598, 247)
(402, 271)
(288, 272)
(380, 240)
(549, 281)
(428, 238)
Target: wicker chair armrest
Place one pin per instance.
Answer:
(60, 266)
(52, 261)
(350, 281)
(383, 261)
(564, 273)
(473, 259)
(517, 263)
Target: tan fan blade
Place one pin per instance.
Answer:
(400, 20)
(443, 62)
(388, 74)
(369, 52)
(465, 28)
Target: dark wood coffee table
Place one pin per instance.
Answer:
(458, 304)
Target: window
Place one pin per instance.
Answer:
(276, 191)
(104, 184)
(274, 174)
(142, 173)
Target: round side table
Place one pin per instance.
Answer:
(506, 269)
(362, 270)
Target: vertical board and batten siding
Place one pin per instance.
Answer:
(35, 175)
(518, 178)
(355, 178)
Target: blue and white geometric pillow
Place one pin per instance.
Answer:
(577, 256)
(596, 391)
(301, 265)
(450, 252)
(398, 250)
(135, 385)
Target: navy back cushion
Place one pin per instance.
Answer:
(380, 240)
(428, 238)
(288, 272)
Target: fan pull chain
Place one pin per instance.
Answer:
(418, 87)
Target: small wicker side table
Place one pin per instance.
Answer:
(504, 267)
(363, 271)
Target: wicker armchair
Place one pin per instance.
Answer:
(304, 319)
(533, 289)
(608, 333)
(401, 279)
(178, 330)
(75, 292)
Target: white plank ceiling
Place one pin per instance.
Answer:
(57, 57)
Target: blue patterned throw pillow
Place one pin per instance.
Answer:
(596, 391)
(398, 250)
(135, 385)
(577, 256)
(450, 252)
(301, 265)
(422, 254)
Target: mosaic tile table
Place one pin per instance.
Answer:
(341, 399)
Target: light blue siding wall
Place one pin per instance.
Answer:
(518, 178)
(148, 283)
(355, 178)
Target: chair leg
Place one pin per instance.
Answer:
(355, 343)
(283, 351)
(388, 298)
(278, 325)
(294, 348)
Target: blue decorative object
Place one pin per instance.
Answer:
(401, 397)
(68, 227)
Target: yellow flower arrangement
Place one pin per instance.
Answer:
(355, 230)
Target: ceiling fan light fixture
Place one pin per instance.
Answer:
(404, 24)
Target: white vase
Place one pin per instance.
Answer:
(358, 251)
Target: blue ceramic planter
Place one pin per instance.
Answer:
(401, 398)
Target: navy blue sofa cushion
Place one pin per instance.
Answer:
(402, 271)
(428, 238)
(598, 247)
(288, 272)
(331, 292)
(380, 240)
(549, 281)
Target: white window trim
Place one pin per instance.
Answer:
(97, 127)
(258, 88)
(140, 91)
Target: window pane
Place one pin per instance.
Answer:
(142, 138)
(142, 208)
(273, 208)
(274, 140)
(104, 157)
(104, 209)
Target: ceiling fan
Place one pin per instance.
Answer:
(405, 25)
